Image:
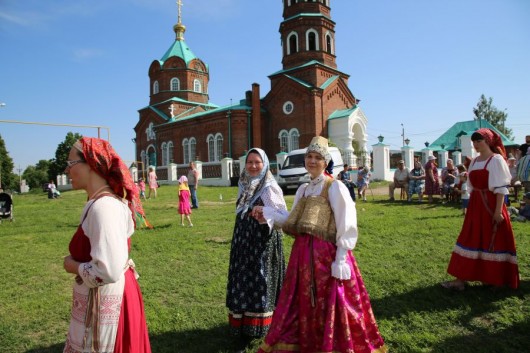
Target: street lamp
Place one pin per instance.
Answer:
(407, 141)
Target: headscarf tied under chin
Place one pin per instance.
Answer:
(104, 160)
(251, 188)
(493, 140)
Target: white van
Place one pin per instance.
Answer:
(293, 173)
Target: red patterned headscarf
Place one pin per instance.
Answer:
(104, 160)
(493, 140)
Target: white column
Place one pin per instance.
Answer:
(443, 155)
(457, 157)
(408, 155)
(381, 162)
(198, 164)
(172, 173)
(348, 153)
(467, 147)
(425, 153)
(226, 171)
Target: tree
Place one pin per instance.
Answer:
(487, 111)
(58, 165)
(37, 175)
(8, 179)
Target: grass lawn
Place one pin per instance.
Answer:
(403, 251)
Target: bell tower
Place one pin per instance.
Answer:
(307, 33)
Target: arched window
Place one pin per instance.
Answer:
(312, 40)
(186, 150)
(193, 149)
(329, 48)
(211, 148)
(164, 153)
(292, 39)
(151, 155)
(175, 84)
(294, 137)
(284, 141)
(155, 87)
(170, 152)
(219, 147)
(197, 86)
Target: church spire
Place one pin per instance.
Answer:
(179, 28)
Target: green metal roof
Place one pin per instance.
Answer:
(307, 14)
(342, 113)
(179, 48)
(309, 63)
(450, 137)
(303, 83)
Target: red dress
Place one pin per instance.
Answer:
(483, 253)
(132, 335)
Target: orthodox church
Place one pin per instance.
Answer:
(308, 96)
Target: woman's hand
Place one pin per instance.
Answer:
(498, 218)
(70, 265)
(257, 213)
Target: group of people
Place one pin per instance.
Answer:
(361, 182)
(425, 180)
(318, 302)
(296, 308)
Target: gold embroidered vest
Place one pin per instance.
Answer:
(313, 215)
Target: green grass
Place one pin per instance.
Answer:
(403, 250)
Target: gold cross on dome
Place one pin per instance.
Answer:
(179, 5)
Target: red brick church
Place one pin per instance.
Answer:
(308, 96)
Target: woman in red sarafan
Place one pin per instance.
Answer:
(107, 307)
(485, 249)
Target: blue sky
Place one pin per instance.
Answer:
(423, 64)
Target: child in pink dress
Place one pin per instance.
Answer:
(184, 201)
(141, 186)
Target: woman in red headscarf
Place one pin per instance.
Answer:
(485, 249)
(107, 311)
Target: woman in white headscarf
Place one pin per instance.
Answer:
(257, 264)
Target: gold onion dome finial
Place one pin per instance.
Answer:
(179, 28)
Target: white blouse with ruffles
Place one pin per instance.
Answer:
(499, 174)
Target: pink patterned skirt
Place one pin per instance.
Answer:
(341, 319)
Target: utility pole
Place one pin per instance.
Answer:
(403, 134)
(19, 178)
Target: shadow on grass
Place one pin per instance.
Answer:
(436, 298)
(486, 341)
(475, 302)
(214, 340)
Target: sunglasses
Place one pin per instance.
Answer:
(70, 164)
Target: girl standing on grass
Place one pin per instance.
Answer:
(485, 249)
(141, 186)
(184, 201)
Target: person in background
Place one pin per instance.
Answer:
(514, 183)
(324, 305)
(141, 186)
(345, 177)
(108, 311)
(524, 148)
(485, 249)
(401, 180)
(153, 183)
(432, 182)
(363, 180)
(463, 191)
(449, 178)
(53, 193)
(193, 183)
(523, 213)
(184, 201)
(416, 181)
(257, 265)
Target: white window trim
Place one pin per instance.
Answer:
(317, 41)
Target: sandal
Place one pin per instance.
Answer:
(454, 285)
